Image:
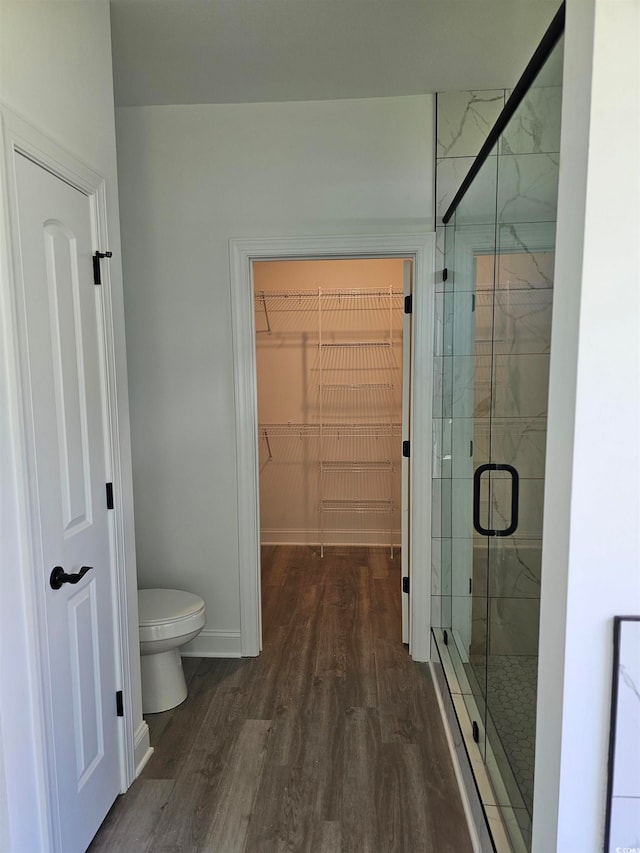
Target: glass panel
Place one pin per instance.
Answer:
(493, 338)
(470, 404)
(521, 304)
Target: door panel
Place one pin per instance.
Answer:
(62, 312)
(68, 375)
(85, 669)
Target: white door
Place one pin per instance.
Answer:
(62, 310)
(406, 465)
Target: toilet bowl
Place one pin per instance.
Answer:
(168, 618)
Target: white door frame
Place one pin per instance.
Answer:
(18, 137)
(242, 254)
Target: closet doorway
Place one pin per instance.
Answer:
(417, 253)
(331, 385)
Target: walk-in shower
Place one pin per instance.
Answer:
(492, 366)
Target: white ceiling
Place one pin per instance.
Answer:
(238, 51)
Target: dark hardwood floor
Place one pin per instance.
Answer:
(330, 742)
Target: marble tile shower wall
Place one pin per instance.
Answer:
(506, 354)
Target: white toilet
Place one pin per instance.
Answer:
(168, 619)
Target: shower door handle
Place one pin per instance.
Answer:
(515, 496)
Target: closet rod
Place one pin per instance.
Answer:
(357, 466)
(357, 345)
(304, 430)
(360, 386)
(357, 506)
(372, 293)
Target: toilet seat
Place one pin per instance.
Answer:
(167, 613)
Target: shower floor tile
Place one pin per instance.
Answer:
(511, 683)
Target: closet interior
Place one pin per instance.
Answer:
(329, 365)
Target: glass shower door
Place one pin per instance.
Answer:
(499, 320)
(521, 306)
(490, 412)
(497, 488)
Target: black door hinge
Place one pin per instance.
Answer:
(406, 449)
(119, 704)
(109, 495)
(473, 302)
(97, 277)
(408, 304)
(476, 732)
(445, 274)
(445, 637)
(470, 586)
(405, 585)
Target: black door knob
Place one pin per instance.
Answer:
(59, 576)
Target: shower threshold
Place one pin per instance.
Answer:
(507, 816)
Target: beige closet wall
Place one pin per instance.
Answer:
(289, 375)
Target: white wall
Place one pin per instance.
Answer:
(191, 177)
(55, 71)
(591, 551)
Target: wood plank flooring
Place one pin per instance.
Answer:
(330, 742)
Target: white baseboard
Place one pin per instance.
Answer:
(214, 644)
(142, 749)
(355, 536)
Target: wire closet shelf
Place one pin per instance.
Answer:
(356, 370)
